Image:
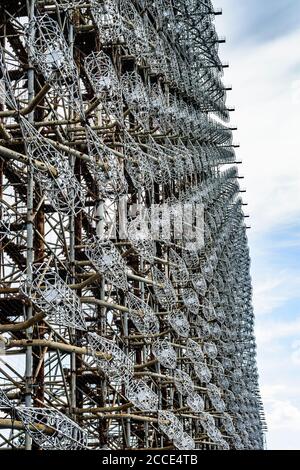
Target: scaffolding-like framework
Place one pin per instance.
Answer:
(125, 297)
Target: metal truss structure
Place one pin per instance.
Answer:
(116, 335)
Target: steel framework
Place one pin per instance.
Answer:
(121, 335)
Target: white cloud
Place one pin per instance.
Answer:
(296, 353)
(273, 288)
(272, 391)
(282, 414)
(271, 331)
(266, 297)
(283, 439)
(276, 391)
(268, 120)
(288, 243)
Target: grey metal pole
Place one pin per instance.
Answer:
(29, 228)
(72, 252)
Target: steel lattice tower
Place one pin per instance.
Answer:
(125, 298)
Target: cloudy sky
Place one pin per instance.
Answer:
(263, 43)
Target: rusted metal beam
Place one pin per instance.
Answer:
(22, 325)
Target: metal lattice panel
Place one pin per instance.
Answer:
(142, 315)
(50, 429)
(141, 395)
(50, 294)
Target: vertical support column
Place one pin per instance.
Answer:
(72, 254)
(29, 228)
(102, 426)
